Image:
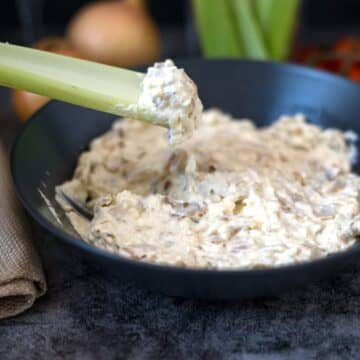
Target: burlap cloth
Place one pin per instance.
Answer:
(21, 277)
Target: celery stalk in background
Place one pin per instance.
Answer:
(277, 19)
(217, 32)
(249, 29)
(263, 11)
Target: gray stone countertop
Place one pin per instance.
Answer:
(89, 315)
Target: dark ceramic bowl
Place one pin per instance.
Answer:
(46, 151)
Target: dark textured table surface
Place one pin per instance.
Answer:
(89, 315)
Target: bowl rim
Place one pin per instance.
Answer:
(82, 245)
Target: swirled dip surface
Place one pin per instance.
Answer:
(233, 196)
(172, 99)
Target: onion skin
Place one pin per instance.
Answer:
(59, 46)
(25, 103)
(138, 4)
(115, 33)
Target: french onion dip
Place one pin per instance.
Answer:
(232, 196)
(171, 99)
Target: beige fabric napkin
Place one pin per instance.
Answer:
(21, 277)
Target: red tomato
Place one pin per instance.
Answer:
(354, 73)
(305, 55)
(344, 46)
(332, 65)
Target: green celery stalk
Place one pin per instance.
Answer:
(263, 9)
(249, 29)
(80, 82)
(218, 35)
(277, 19)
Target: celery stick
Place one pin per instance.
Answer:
(249, 29)
(278, 19)
(85, 83)
(263, 12)
(218, 36)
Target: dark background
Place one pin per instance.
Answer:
(318, 12)
(321, 21)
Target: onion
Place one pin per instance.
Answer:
(58, 45)
(115, 33)
(139, 4)
(25, 103)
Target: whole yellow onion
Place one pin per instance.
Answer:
(115, 33)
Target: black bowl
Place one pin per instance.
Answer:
(45, 155)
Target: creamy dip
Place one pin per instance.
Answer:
(171, 98)
(232, 196)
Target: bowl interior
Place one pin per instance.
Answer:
(46, 151)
